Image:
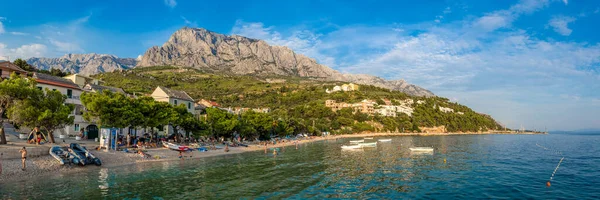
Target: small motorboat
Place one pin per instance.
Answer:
(385, 140)
(369, 144)
(176, 147)
(421, 149)
(84, 156)
(357, 141)
(62, 155)
(351, 147)
(368, 138)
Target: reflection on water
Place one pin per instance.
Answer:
(460, 167)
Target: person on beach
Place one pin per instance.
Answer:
(181, 155)
(1, 163)
(128, 140)
(23, 152)
(227, 148)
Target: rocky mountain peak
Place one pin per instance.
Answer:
(211, 51)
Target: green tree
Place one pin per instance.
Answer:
(221, 122)
(109, 109)
(11, 90)
(24, 65)
(43, 109)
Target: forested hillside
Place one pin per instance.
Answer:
(298, 104)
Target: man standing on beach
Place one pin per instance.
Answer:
(23, 152)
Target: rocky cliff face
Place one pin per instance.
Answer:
(203, 49)
(85, 64)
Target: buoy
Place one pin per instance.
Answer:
(444, 160)
(548, 184)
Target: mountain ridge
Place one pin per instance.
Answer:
(203, 49)
(85, 64)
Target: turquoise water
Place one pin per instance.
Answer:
(476, 167)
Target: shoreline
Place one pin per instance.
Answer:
(46, 165)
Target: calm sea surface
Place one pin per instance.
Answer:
(462, 167)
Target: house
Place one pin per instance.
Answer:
(346, 87)
(173, 97)
(388, 111)
(7, 68)
(353, 87)
(73, 92)
(99, 88)
(207, 103)
(81, 80)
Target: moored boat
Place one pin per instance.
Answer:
(368, 144)
(368, 138)
(428, 149)
(176, 147)
(351, 147)
(84, 156)
(385, 140)
(62, 155)
(357, 141)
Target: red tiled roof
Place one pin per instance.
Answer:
(54, 80)
(11, 66)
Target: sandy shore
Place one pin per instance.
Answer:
(44, 165)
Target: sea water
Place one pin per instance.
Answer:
(461, 167)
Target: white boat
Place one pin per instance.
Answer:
(424, 149)
(385, 140)
(357, 141)
(368, 138)
(175, 147)
(369, 144)
(351, 147)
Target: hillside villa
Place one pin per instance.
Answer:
(344, 87)
(369, 107)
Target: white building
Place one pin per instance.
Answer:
(73, 92)
(173, 97)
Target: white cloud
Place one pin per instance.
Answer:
(19, 33)
(447, 10)
(66, 47)
(566, 2)
(188, 22)
(170, 3)
(301, 41)
(560, 24)
(24, 51)
(504, 18)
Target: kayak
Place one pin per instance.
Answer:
(356, 141)
(385, 140)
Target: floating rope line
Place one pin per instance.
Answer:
(558, 152)
(555, 169)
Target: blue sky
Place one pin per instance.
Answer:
(530, 62)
